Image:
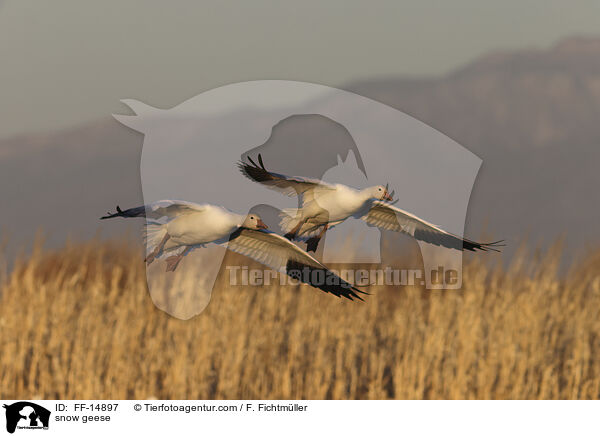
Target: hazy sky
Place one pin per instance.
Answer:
(67, 61)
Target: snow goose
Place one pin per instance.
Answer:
(324, 205)
(186, 226)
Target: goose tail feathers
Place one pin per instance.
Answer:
(154, 234)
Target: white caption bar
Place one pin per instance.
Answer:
(299, 417)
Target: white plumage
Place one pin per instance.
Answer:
(324, 205)
(178, 225)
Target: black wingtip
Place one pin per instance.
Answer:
(253, 171)
(109, 214)
(350, 292)
(251, 161)
(354, 297)
(259, 166)
(312, 244)
(260, 161)
(339, 289)
(354, 293)
(487, 246)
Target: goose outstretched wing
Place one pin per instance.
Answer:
(278, 253)
(388, 217)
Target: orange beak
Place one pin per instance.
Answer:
(387, 196)
(261, 224)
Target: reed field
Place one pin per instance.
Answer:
(79, 323)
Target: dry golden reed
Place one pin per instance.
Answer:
(79, 324)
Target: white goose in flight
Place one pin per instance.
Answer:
(188, 225)
(324, 205)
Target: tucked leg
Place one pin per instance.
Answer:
(154, 253)
(294, 232)
(313, 243)
(173, 261)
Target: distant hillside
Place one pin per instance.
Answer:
(62, 182)
(533, 117)
(508, 100)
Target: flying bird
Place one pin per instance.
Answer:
(324, 205)
(186, 226)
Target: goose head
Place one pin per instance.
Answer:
(254, 222)
(380, 192)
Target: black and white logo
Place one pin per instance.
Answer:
(26, 415)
